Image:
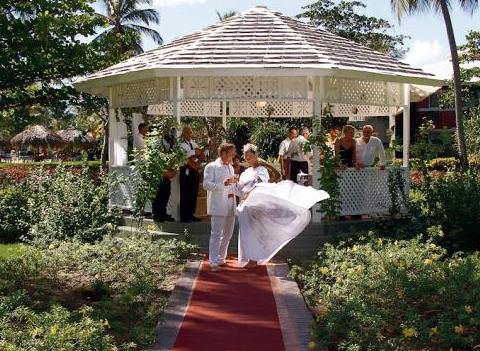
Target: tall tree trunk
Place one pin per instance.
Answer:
(462, 150)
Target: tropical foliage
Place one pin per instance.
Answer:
(73, 296)
(346, 20)
(392, 296)
(126, 18)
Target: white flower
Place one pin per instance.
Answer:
(249, 147)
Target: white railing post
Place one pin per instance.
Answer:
(111, 128)
(177, 103)
(317, 115)
(406, 124)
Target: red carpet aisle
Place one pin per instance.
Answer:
(231, 310)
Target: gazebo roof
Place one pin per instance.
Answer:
(256, 42)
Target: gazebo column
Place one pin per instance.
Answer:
(317, 115)
(177, 104)
(406, 124)
(224, 117)
(112, 129)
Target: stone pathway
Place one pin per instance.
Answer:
(235, 309)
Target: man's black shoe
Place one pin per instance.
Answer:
(169, 218)
(195, 219)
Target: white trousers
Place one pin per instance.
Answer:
(220, 235)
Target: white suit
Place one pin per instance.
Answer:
(220, 206)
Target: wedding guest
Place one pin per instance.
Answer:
(368, 147)
(284, 162)
(189, 176)
(297, 155)
(345, 147)
(160, 202)
(219, 181)
(332, 136)
(142, 134)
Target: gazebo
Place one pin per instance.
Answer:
(260, 64)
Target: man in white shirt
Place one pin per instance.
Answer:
(368, 148)
(189, 176)
(284, 164)
(142, 134)
(297, 156)
(219, 181)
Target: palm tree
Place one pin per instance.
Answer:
(402, 7)
(223, 16)
(125, 17)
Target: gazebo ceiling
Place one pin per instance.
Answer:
(258, 42)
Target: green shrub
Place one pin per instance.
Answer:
(70, 205)
(452, 202)
(444, 164)
(267, 135)
(125, 282)
(402, 296)
(56, 329)
(14, 214)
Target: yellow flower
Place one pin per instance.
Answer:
(468, 309)
(428, 261)
(355, 248)
(312, 345)
(434, 331)
(151, 227)
(380, 241)
(409, 332)
(54, 329)
(324, 270)
(459, 329)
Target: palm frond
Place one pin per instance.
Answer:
(469, 5)
(149, 32)
(143, 15)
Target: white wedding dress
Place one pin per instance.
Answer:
(271, 215)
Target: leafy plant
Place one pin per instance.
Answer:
(152, 162)
(69, 205)
(14, 215)
(392, 295)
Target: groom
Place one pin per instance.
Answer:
(219, 181)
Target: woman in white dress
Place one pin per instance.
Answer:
(269, 214)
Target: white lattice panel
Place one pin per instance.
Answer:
(201, 108)
(244, 87)
(123, 195)
(364, 191)
(281, 108)
(359, 112)
(362, 92)
(162, 109)
(142, 93)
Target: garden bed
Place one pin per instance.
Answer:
(392, 295)
(75, 296)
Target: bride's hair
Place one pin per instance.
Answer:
(249, 148)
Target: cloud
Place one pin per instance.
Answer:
(431, 56)
(173, 3)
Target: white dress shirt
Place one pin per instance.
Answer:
(284, 146)
(218, 200)
(189, 147)
(139, 141)
(366, 152)
(295, 150)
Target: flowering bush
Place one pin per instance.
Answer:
(78, 296)
(384, 295)
(14, 214)
(453, 202)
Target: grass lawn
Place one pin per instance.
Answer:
(10, 250)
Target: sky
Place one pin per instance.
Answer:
(428, 46)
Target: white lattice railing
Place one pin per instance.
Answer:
(123, 195)
(365, 191)
(362, 192)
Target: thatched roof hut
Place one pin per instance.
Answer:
(37, 136)
(76, 137)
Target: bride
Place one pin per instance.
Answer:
(269, 214)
